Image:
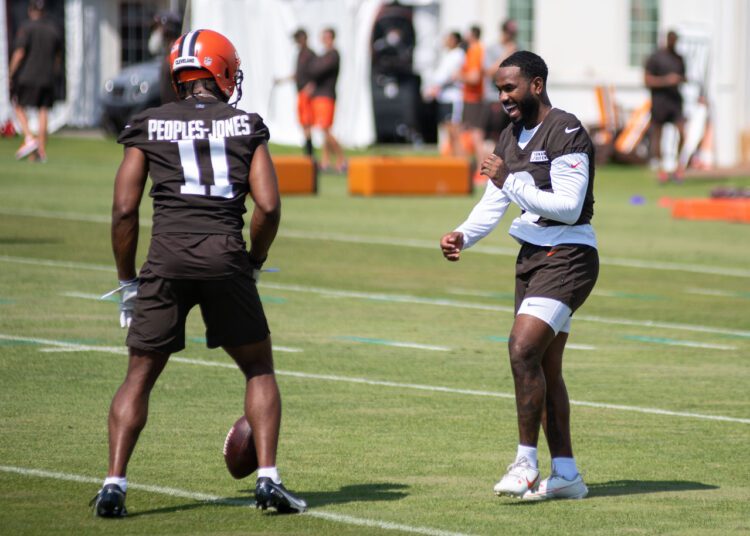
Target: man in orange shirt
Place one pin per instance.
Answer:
(471, 76)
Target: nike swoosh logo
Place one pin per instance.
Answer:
(575, 165)
(569, 130)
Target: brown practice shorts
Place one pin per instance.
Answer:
(566, 273)
(231, 310)
(304, 109)
(323, 110)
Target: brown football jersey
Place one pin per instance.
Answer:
(559, 134)
(199, 152)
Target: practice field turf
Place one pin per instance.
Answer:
(398, 408)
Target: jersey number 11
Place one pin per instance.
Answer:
(192, 173)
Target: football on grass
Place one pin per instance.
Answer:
(239, 450)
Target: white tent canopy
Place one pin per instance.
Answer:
(261, 30)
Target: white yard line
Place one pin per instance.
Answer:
(717, 292)
(216, 499)
(58, 264)
(676, 342)
(396, 344)
(410, 243)
(382, 383)
(574, 346)
(405, 298)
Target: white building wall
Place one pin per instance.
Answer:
(586, 43)
(109, 36)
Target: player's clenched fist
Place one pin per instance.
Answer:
(494, 168)
(451, 244)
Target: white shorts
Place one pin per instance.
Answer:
(553, 312)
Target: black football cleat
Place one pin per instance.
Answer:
(109, 502)
(271, 495)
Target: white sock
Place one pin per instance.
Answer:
(269, 472)
(565, 467)
(529, 453)
(119, 480)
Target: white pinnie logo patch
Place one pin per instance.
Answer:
(539, 156)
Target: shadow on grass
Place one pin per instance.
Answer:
(384, 491)
(614, 488)
(346, 494)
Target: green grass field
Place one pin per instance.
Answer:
(379, 438)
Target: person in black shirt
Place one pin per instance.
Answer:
(35, 61)
(204, 157)
(665, 71)
(324, 71)
(305, 87)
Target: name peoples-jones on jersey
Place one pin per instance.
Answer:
(172, 129)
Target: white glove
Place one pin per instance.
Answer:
(128, 291)
(256, 267)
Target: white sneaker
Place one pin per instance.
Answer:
(557, 487)
(520, 478)
(29, 146)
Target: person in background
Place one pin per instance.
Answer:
(473, 89)
(324, 71)
(496, 118)
(445, 88)
(664, 72)
(305, 87)
(34, 65)
(165, 30)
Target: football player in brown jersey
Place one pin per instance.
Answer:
(544, 163)
(204, 157)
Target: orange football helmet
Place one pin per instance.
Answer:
(206, 54)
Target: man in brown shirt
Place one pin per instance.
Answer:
(204, 157)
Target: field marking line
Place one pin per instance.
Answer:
(410, 243)
(717, 292)
(677, 342)
(396, 344)
(216, 499)
(568, 346)
(405, 298)
(385, 383)
(58, 264)
(440, 302)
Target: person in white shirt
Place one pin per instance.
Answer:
(446, 88)
(544, 163)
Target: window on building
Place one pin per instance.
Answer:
(522, 11)
(135, 24)
(644, 30)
